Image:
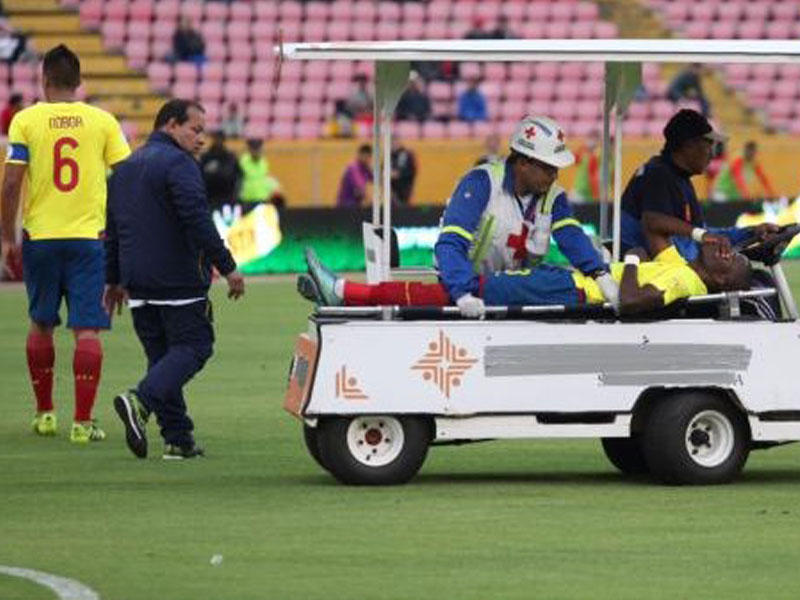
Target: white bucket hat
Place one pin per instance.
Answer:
(543, 139)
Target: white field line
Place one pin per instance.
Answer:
(65, 589)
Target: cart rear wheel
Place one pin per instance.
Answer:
(373, 450)
(695, 438)
(626, 455)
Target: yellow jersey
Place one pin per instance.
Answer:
(68, 148)
(668, 272)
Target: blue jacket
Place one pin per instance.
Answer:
(472, 106)
(464, 212)
(160, 239)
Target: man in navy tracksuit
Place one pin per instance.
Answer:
(160, 246)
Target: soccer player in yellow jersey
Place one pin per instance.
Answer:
(63, 148)
(646, 286)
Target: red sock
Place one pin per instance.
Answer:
(402, 293)
(41, 357)
(86, 366)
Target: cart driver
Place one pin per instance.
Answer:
(659, 205)
(644, 284)
(502, 214)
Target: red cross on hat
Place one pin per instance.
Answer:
(560, 136)
(530, 132)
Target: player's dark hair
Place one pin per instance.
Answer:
(177, 109)
(365, 149)
(61, 68)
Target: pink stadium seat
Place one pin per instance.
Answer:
(264, 11)
(338, 31)
(520, 72)
(458, 130)
(363, 30)
(438, 11)
(387, 30)
(184, 89)
(263, 70)
(634, 127)
(138, 54)
(412, 30)
(595, 71)
(192, 11)
(141, 10)
(723, 30)
(789, 71)
(581, 29)
(115, 10)
(412, 11)
(545, 72)
(138, 30)
(241, 12)
(166, 11)
(494, 71)
(463, 11)
(238, 31)
(587, 11)
(510, 110)
(313, 90)
(592, 90)
(241, 51)
(571, 71)
(159, 75)
(308, 131)
(492, 90)
(697, 29)
(258, 111)
(113, 34)
(442, 108)
(256, 130)
(129, 129)
(163, 30)
(290, 30)
(783, 11)
(638, 110)
(703, 11)
(314, 31)
(213, 31)
(558, 30)
(281, 131)
(563, 112)
(482, 129)
(311, 111)
(604, 30)
(238, 71)
(562, 11)
(589, 109)
(516, 90)
(488, 11)
(91, 13)
(316, 70)
(184, 72)
(779, 30)
(342, 10)
(436, 30)
(785, 89)
(261, 91)
(209, 91)
(513, 11)
(364, 10)
(213, 71)
(291, 11)
(781, 108)
(677, 12)
(339, 90)
(764, 71)
(584, 128)
(235, 91)
(750, 30)
(288, 91)
(542, 91)
(729, 11)
(407, 130)
(757, 10)
(433, 129)
(216, 51)
(470, 70)
(216, 11)
(389, 12)
(317, 11)
(341, 70)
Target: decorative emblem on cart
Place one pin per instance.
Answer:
(444, 364)
(347, 386)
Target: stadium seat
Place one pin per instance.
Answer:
(138, 54)
(433, 129)
(209, 91)
(167, 11)
(407, 130)
(241, 12)
(141, 11)
(159, 75)
(216, 12)
(265, 11)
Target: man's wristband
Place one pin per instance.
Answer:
(632, 259)
(697, 234)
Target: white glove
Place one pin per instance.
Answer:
(471, 307)
(609, 288)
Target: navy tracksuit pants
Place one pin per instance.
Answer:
(177, 340)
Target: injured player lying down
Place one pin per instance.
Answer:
(644, 284)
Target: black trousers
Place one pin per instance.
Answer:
(178, 340)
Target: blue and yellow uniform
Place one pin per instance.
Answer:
(67, 148)
(668, 272)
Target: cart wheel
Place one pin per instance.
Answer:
(695, 438)
(310, 435)
(626, 455)
(373, 450)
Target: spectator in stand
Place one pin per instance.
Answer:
(736, 179)
(472, 103)
(13, 107)
(586, 186)
(479, 31)
(353, 186)
(340, 125)
(492, 150)
(404, 172)
(414, 104)
(501, 31)
(360, 101)
(233, 123)
(258, 186)
(687, 84)
(221, 173)
(187, 44)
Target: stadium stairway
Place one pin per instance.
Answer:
(636, 20)
(108, 81)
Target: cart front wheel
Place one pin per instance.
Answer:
(375, 449)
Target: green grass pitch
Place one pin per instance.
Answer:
(524, 519)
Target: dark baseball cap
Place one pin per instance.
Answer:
(687, 124)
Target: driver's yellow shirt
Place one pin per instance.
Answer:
(668, 273)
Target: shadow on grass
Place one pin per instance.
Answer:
(584, 478)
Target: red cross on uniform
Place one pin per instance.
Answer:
(517, 243)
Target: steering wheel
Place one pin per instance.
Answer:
(769, 250)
